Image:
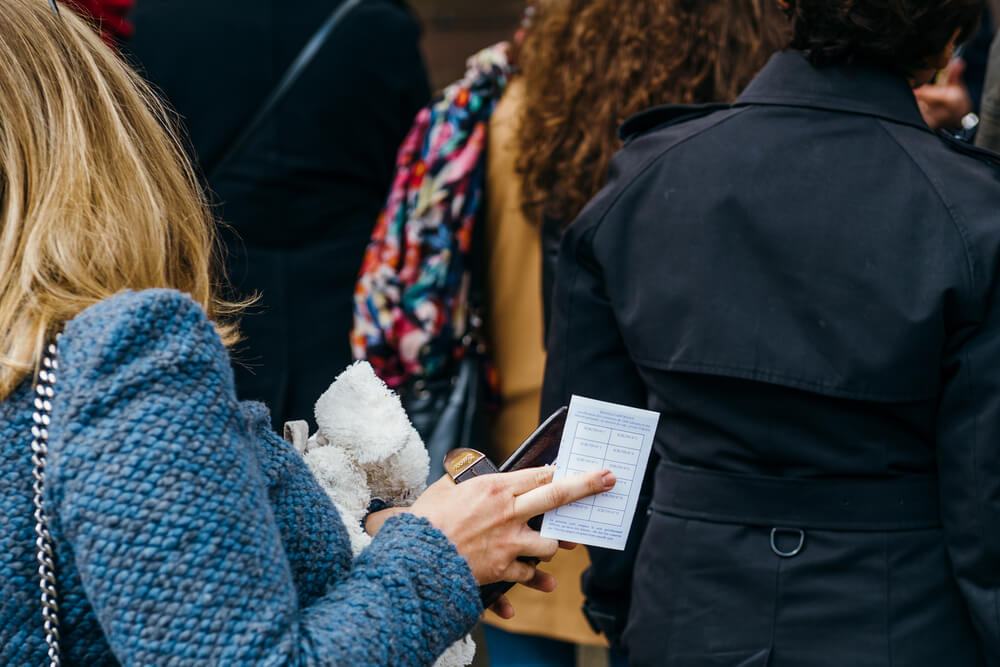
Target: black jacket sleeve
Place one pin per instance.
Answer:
(587, 356)
(968, 453)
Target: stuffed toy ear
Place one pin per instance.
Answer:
(360, 414)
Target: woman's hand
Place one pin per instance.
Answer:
(375, 520)
(486, 518)
(543, 582)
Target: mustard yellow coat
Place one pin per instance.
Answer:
(514, 321)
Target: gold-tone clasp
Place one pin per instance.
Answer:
(465, 463)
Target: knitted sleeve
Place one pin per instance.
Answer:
(155, 486)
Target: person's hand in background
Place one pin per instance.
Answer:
(945, 103)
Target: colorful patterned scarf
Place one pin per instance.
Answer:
(411, 300)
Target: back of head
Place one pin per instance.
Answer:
(96, 195)
(901, 35)
(590, 64)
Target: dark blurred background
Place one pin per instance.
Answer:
(455, 29)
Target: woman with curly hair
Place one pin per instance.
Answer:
(805, 285)
(586, 66)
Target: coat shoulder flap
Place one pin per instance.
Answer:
(656, 117)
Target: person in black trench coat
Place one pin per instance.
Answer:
(302, 196)
(806, 286)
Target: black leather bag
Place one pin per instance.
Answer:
(449, 412)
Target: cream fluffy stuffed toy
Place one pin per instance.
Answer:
(365, 449)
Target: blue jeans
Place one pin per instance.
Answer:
(508, 649)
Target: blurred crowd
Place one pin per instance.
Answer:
(774, 222)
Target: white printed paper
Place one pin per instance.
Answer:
(602, 435)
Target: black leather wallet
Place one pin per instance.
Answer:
(538, 449)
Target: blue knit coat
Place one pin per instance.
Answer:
(186, 531)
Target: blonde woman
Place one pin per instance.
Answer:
(184, 530)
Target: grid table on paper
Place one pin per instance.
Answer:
(617, 450)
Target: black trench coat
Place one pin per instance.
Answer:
(805, 286)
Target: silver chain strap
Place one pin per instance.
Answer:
(44, 391)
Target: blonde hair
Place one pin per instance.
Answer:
(96, 193)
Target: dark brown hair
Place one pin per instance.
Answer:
(902, 35)
(590, 64)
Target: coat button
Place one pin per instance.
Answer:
(795, 533)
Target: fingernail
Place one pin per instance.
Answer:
(608, 478)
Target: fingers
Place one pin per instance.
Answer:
(543, 581)
(955, 70)
(533, 544)
(568, 546)
(503, 608)
(522, 481)
(562, 492)
(519, 572)
(540, 581)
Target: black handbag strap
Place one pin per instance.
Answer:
(288, 80)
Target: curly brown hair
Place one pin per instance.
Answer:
(590, 64)
(903, 35)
